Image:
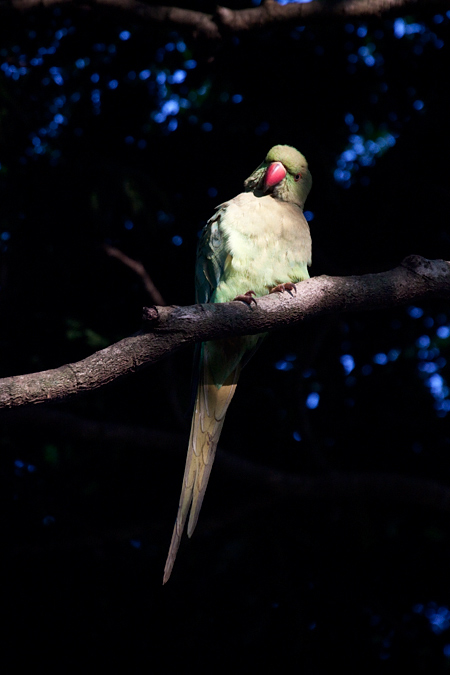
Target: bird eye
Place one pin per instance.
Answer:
(297, 177)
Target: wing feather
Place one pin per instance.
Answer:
(212, 256)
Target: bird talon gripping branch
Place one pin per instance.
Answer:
(253, 240)
(247, 297)
(280, 288)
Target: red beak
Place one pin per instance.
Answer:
(274, 174)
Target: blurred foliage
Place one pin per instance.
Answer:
(117, 132)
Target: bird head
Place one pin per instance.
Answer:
(284, 175)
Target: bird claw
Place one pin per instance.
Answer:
(288, 286)
(247, 297)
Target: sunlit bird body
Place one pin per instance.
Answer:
(253, 244)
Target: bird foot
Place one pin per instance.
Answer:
(288, 286)
(247, 297)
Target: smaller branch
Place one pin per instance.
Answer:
(156, 297)
(138, 268)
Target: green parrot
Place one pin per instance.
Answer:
(256, 243)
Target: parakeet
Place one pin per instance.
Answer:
(256, 243)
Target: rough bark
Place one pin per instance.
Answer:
(170, 328)
(228, 21)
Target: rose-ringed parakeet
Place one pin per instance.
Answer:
(256, 243)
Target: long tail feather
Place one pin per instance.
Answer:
(211, 405)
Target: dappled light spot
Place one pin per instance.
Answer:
(443, 332)
(348, 363)
(178, 76)
(423, 341)
(415, 312)
(360, 153)
(284, 365)
(170, 107)
(288, 2)
(438, 616)
(436, 386)
(312, 400)
(427, 367)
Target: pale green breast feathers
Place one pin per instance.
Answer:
(260, 238)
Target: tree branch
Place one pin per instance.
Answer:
(138, 268)
(170, 328)
(270, 12)
(225, 21)
(329, 486)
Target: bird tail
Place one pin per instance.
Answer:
(211, 405)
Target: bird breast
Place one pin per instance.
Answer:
(269, 243)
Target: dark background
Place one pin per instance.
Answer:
(117, 132)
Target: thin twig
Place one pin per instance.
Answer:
(139, 269)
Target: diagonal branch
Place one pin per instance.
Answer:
(170, 328)
(138, 268)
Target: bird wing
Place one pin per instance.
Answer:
(213, 255)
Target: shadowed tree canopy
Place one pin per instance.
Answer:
(324, 536)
